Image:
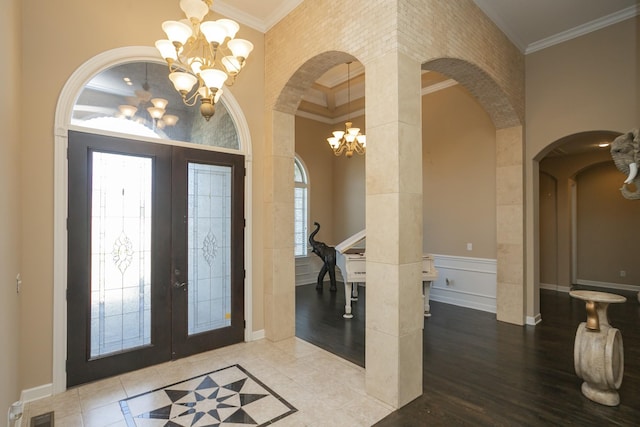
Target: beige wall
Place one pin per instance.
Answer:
(548, 231)
(587, 83)
(314, 152)
(607, 228)
(562, 170)
(459, 175)
(337, 183)
(459, 179)
(10, 216)
(58, 38)
(606, 222)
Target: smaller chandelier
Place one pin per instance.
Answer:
(198, 56)
(350, 140)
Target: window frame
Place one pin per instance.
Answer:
(304, 184)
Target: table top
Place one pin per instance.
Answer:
(597, 296)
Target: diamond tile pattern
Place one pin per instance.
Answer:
(229, 396)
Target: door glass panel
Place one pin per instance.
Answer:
(209, 247)
(120, 252)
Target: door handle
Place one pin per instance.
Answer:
(179, 285)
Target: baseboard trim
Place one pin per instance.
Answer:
(607, 285)
(35, 393)
(533, 321)
(258, 335)
(553, 287)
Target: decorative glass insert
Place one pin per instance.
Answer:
(121, 204)
(300, 209)
(209, 247)
(116, 100)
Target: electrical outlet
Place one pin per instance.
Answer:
(469, 246)
(623, 273)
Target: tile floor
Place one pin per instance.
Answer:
(324, 389)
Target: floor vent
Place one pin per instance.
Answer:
(43, 420)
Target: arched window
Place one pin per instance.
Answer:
(301, 207)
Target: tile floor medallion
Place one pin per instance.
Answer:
(229, 396)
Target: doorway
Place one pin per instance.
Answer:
(155, 254)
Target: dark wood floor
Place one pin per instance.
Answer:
(481, 372)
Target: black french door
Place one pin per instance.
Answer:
(155, 254)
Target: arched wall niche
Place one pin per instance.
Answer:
(62, 120)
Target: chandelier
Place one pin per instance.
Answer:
(350, 140)
(199, 60)
(155, 107)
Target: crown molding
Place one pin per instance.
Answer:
(262, 25)
(583, 29)
(438, 86)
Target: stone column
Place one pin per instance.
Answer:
(394, 309)
(510, 225)
(279, 266)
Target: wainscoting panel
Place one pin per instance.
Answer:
(466, 282)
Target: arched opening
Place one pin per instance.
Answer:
(69, 116)
(591, 213)
(513, 299)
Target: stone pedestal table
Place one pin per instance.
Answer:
(598, 353)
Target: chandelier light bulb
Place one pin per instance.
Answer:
(160, 103)
(195, 10)
(231, 26)
(127, 111)
(167, 50)
(170, 119)
(214, 32)
(213, 78)
(183, 82)
(240, 48)
(177, 32)
(232, 65)
(155, 112)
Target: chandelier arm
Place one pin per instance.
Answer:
(191, 100)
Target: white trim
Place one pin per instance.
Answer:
(583, 29)
(438, 86)
(35, 393)
(263, 25)
(554, 287)
(608, 285)
(258, 335)
(533, 320)
(465, 282)
(64, 109)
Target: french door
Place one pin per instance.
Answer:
(155, 254)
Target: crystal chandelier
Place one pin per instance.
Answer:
(350, 140)
(199, 60)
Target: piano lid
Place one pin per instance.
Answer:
(350, 242)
